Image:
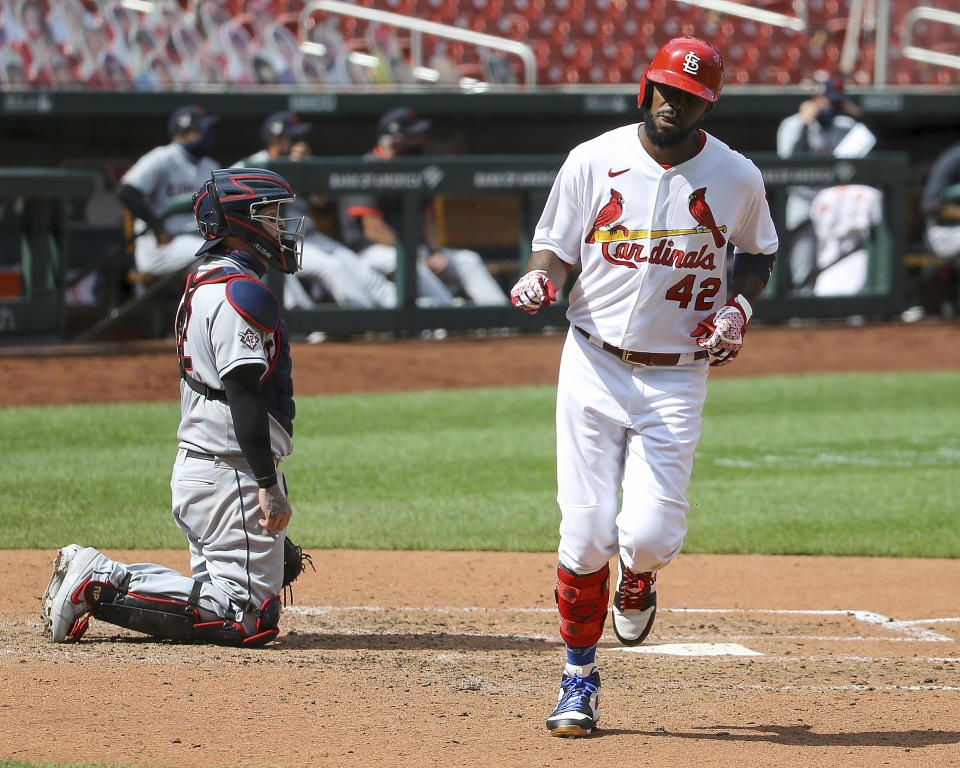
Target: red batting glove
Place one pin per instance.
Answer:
(532, 291)
(721, 334)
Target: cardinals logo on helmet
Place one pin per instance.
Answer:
(691, 63)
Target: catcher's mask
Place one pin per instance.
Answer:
(687, 63)
(231, 204)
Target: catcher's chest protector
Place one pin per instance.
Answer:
(257, 304)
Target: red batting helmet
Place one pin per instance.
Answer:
(687, 63)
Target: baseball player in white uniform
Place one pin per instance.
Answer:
(647, 211)
(158, 190)
(347, 278)
(237, 409)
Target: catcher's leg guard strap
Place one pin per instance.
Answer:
(582, 601)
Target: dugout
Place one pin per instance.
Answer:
(491, 203)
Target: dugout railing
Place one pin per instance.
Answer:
(529, 179)
(41, 241)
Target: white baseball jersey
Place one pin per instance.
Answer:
(166, 173)
(651, 241)
(217, 339)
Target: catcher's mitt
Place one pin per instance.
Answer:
(294, 562)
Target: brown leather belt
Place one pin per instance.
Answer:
(644, 358)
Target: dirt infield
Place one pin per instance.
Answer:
(149, 371)
(452, 658)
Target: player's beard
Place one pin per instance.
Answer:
(661, 138)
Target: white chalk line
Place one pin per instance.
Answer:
(938, 455)
(952, 620)
(825, 688)
(715, 652)
(911, 631)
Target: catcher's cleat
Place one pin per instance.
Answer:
(60, 564)
(63, 602)
(634, 605)
(577, 706)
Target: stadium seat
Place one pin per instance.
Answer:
(531, 9)
(571, 10)
(404, 7)
(555, 31)
(513, 26)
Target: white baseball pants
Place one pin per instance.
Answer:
(351, 281)
(179, 253)
(624, 429)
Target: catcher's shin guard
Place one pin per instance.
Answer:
(582, 601)
(171, 619)
(165, 618)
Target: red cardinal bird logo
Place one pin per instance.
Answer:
(704, 216)
(608, 214)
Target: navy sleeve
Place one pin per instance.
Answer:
(760, 264)
(136, 202)
(250, 422)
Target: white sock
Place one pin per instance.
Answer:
(574, 671)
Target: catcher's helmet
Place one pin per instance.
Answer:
(229, 204)
(687, 63)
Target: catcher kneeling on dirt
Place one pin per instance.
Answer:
(236, 401)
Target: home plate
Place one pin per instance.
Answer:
(693, 649)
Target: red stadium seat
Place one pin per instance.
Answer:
(404, 7)
(441, 11)
(485, 9)
(531, 9)
(571, 75)
(542, 52)
(512, 25)
(555, 31)
(572, 10)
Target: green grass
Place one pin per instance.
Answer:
(20, 764)
(841, 464)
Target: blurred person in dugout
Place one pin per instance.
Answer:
(330, 268)
(158, 191)
(940, 208)
(371, 226)
(828, 226)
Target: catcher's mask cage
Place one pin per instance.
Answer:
(230, 204)
(687, 63)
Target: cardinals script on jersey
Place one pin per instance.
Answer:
(653, 249)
